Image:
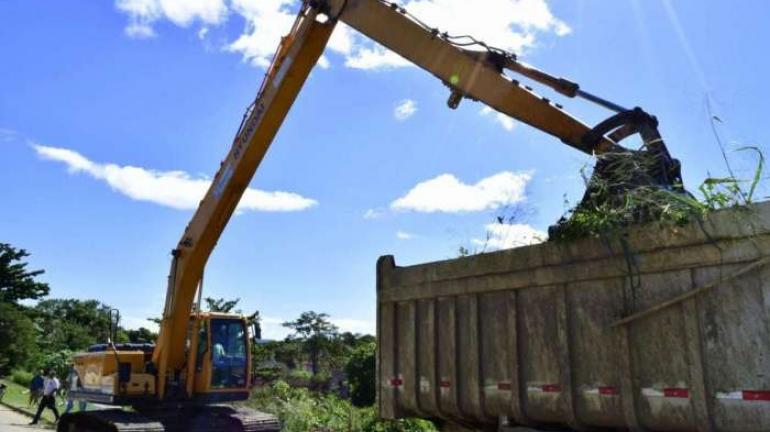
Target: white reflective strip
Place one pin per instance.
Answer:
(736, 395)
(650, 392)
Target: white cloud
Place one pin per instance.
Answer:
(513, 25)
(507, 236)
(503, 120)
(509, 24)
(374, 57)
(323, 62)
(402, 235)
(372, 214)
(405, 109)
(446, 193)
(9, 135)
(266, 22)
(175, 189)
(142, 14)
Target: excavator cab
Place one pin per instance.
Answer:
(218, 366)
(219, 357)
(217, 369)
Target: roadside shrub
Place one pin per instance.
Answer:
(301, 410)
(21, 377)
(361, 374)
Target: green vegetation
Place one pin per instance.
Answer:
(316, 335)
(614, 202)
(22, 378)
(45, 335)
(302, 410)
(361, 369)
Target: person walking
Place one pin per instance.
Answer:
(50, 387)
(72, 384)
(35, 388)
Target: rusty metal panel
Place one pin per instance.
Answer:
(447, 358)
(386, 367)
(543, 387)
(468, 382)
(406, 383)
(659, 354)
(427, 385)
(671, 335)
(495, 371)
(595, 355)
(736, 344)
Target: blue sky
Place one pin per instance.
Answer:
(113, 115)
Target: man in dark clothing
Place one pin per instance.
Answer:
(50, 387)
(35, 388)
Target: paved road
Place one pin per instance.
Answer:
(11, 421)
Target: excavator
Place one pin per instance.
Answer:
(201, 360)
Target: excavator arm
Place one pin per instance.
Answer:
(473, 74)
(297, 54)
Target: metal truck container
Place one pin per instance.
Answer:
(662, 329)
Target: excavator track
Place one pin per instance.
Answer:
(199, 419)
(112, 420)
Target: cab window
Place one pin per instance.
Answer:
(228, 353)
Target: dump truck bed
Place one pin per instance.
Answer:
(665, 329)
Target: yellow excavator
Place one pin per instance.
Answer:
(202, 360)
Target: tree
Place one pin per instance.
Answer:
(222, 305)
(16, 282)
(141, 335)
(228, 306)
(72, 324)
(17, 338)
(17, 330)
(361, 374)
(316, 334)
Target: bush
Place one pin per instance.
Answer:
(270, 373)
(361, 374)
(21, 377)
(301, 410)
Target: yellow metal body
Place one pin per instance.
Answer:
(98, 372)
(295, 58)
(118, 374)
(474, 75)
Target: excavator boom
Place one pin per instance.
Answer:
(201, 358)
(296, 56)
(476, 75)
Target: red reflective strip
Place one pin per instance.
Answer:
(445, 384)
(676, 393)
(756, 395)
(396, 382)
(551, 388)
(504, 386)
(609, 391)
